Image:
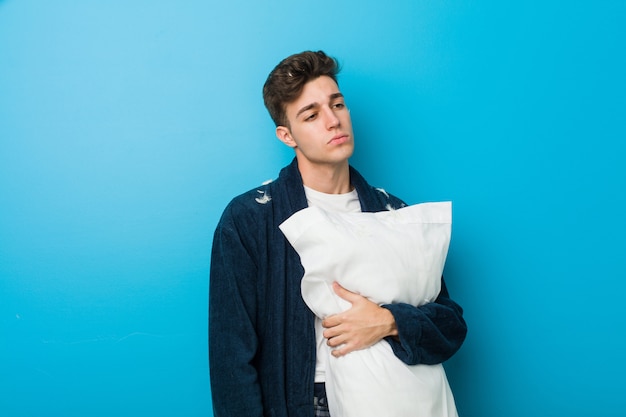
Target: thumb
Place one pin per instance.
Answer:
(345, 294)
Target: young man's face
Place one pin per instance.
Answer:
(320, 128)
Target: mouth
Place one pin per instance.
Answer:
(339, 139)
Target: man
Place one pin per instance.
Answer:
(262, 337)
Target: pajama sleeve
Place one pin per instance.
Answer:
(233, 342)
(428, 334)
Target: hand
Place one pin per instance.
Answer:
(359, 327)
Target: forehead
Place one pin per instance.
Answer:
(317, 91)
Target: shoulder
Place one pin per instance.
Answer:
(250, 204)
(273, 200)
(391, 201)
(244, 221)
(374, 198)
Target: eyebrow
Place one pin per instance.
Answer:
(332, 97)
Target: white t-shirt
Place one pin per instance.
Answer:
(348, 203)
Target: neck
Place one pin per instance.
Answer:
(329, 179)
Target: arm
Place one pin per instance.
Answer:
(232, 322)
(427, 334)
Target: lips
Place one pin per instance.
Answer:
(339, 139)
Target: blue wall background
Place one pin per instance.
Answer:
(126, 126)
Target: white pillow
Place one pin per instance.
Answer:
(389, 257)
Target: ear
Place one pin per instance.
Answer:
(284, 135)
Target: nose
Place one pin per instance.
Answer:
(331, 118)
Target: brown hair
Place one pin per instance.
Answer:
(286, 81)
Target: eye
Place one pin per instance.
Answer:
(339, 106)
(310, 117)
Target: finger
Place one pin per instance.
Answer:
(330, 333)
(342, 351)
(331, 321)
(334, 320)
(336, 341)
(345, 294)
